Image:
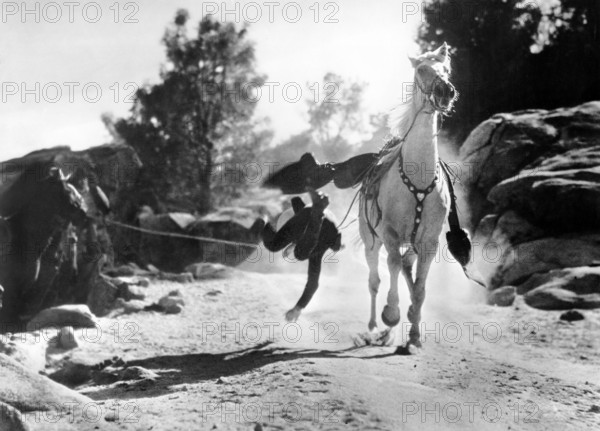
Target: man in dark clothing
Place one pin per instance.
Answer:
(311, 232)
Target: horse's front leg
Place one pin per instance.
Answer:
(391, 312)
(372, 256)
(417, 297)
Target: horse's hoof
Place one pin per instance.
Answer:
(415, 342)
(390, 316)
(372, 326)
(293, 314)
(408, 349)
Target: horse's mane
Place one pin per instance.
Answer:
(400, 120)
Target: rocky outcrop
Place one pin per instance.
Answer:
(29, 391)
(564, 289)
(534, 192)
(174, 253)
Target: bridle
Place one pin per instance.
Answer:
(428, 95)
(420, 194)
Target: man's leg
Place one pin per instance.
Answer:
(290, 232)
(312, 284)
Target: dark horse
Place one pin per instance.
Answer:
(35, 209)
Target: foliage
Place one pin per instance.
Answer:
(202, 97)
(511, 55)
(336, 120)
(238, 165)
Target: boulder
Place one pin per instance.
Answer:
(507, 144)
(11, 419)
(561, 193)
(172, 303)
(75, 315)
(129, 292)
(28, 349)
(29, 391)
(520, 262)
(571, 316)
(565, 289)
(102, 296)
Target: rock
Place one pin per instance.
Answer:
(205, 270)
(152, 269)
(171, 304)
(129, 292)
(102, 296)
(184, 277)
(138, 373)
(543, 255)
(132, 281)
(503, 296)
(72, 374)
(29, 391)
(66, 338)
(562, 192)
(28, 349)
(515, 229)
(565, 289)
(121, 271)
(507, 144)
(571, 316)
(75, 315)
(11, 419)
(495, 236)
(133, 306)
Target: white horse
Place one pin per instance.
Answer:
(404, 207)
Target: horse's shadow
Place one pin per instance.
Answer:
(193, 368)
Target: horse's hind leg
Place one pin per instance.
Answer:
(372, 256)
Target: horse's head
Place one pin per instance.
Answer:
(432, 72)
(62, 198)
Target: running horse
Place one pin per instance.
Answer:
(403, 199)
(38, 205)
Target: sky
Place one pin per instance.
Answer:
(63, 64)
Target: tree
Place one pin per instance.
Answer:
(205, 91)
(510, 55)
(336, 119)
(489, 46)
(337, 123)
(238, 165)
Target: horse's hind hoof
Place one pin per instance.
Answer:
(390, 316)
(407, 350)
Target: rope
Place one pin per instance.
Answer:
(180, 235)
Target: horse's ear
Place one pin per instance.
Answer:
(443, 53)
(414, 61)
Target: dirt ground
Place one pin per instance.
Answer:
(229, 361)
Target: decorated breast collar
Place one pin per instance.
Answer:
(419, 194)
